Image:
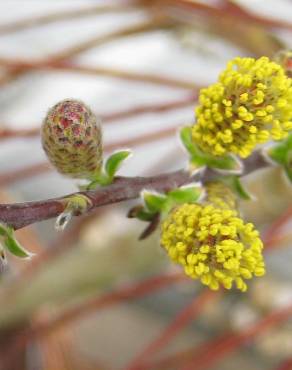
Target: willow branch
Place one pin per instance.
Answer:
(231, 10)
(124, 188)
(70, 52)
(56, 65)
(62, 15)
(13, 176)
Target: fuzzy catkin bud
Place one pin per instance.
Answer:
(72, 139)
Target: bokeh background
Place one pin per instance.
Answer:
(94, 297)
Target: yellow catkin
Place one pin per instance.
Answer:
(213, 244)
(220, 195)
(249, 105)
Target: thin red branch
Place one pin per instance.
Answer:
(189, 313)
(188, 100)
(230, 342)
(108, 118)
(63, 15)
(209, 353)
(230, 10)
(278, 241)
(13, 176)
(18, 69)
(56, 65)
(132, 291)
(273, 231)
(285, 365)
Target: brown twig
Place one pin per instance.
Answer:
(124, 188)
(23, 214)
(12, 176)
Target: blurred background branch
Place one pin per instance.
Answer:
(140, 65)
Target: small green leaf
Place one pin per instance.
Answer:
(154, 202)
(288, 165)
(3, 230)
(289, 141)
(228, 162)
(288, 172)
(278, 153)
(186, 138)
(114, 162)
(101, 179)
(199, 159)
(234, 182)
(15, 248)
(185, 194)
(240, 189)
(140, 213)
(282, 154)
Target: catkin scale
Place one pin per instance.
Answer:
(72, 139)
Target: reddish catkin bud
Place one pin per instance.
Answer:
(72, 139)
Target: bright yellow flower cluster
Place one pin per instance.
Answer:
(251, 103)
(213, 245)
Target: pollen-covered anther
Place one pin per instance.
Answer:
(213, 245)
(249, 105)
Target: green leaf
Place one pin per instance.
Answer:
(228, 162)
(282, 154)
(288, 165)
(288, 172)
(98, 179)
(114, 162)
(240, 189)
(278, 153)
(185, 194)
(15, 248)
(199, 158)
(140, 213)
(289, 141)
(186, 138)
(234, 182)
(154, 202)
(3, 230)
